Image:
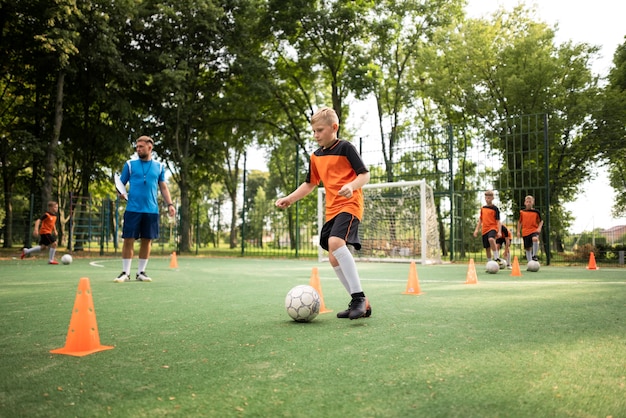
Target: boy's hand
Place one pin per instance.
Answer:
(283, 203)
(346, 191)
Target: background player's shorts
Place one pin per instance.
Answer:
(46, 239)
(490, 234)
(501, 240)
(528, 239)
(140, 225)
(344, 226)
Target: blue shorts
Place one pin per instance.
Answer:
(344, 226)
(140, 225)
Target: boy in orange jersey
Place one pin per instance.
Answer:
(46, 230)
(489, 223)
(529, 225)
(337, 165)
(504, 243)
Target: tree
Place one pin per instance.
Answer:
(514, 68)
(611, 128)
(392, 67)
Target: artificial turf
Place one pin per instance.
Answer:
(212, 338)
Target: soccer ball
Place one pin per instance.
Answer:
(66, 259)
(533, 266)
(503, 264)
(492, 267)
(303, 303)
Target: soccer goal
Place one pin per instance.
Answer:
(399, 225)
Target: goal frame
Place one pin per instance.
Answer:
(423, 259)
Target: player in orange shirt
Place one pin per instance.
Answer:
(339, 167)
(46, 230)
(489, 224)
(504, 243)
(529, 225)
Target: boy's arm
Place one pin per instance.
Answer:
(360, 181)
(304, 189)
(519, 227)
(36, 228)
(478, 224)
(539, 227)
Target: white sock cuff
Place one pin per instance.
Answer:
(341, 252)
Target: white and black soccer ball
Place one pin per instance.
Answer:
(503, 264)
(67, 259)
(492, 267)
(533, 266)
(303, 303)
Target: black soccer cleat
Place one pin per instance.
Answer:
(346, 313)
(535, 258)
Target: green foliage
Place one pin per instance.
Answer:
(209, 79)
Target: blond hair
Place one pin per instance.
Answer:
(325, 115)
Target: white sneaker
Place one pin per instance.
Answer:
(123, 277)
(143, 277)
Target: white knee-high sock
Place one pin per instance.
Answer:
(33, 250)
(342, 278)
(348, 267)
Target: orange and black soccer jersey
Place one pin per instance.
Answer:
(529, 219)
(489, 216)
(48, 220)
(334, 167)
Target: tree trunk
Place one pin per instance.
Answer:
(46, 190)
(233, 221)
(8, 218)
(185, 217)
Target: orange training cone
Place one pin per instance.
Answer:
(592, 262)
(516, 270)
(82, 335)
(315, 283)
(412, 285)
(173, 261)
(471, 277)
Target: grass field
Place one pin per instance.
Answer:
(211, 338)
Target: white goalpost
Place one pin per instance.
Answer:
(399, 225)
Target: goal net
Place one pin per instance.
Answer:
(400, 223)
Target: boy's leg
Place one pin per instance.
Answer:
(348, 267)
(35, 249)
(345, 261)
(493, 247)
(342, 278)
(336, 234)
